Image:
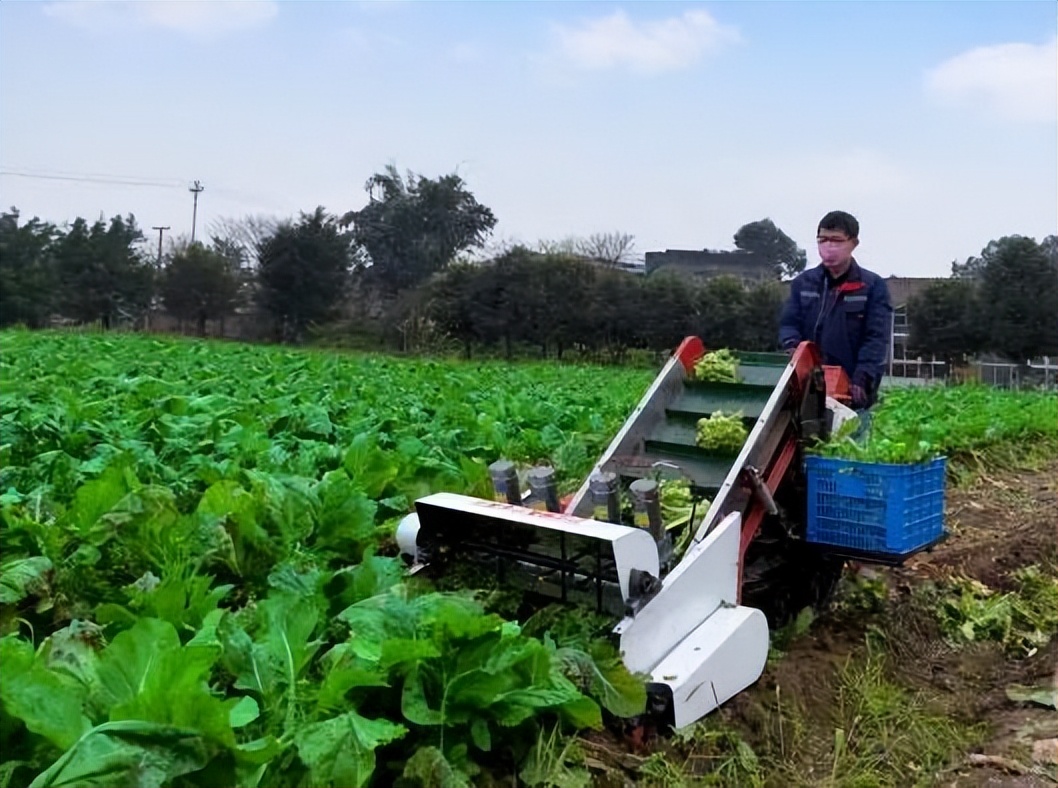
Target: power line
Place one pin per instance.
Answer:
(114, 180)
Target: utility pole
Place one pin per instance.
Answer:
(198, 187)
(160, 231)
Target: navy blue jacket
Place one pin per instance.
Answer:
(851, 322)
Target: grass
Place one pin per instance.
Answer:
(710, 752)
(886, 735)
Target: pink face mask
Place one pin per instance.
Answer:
(832, 253)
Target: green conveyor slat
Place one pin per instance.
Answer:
(703, 399)
(760, 374)
(676, 435)
(707, 473)
(777, 359)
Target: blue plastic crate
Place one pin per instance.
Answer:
(875, 507)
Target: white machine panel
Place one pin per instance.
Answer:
(718, 660)
(705, 579)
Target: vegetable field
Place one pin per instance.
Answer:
(197, 585)
(189, 535)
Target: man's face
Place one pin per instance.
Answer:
(835, 249)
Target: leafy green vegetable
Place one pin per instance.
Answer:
(916, 424)
(721, 433)
(676, 500)
(48, 703)
(217, 512)
(24, 577)
(718, 366)
(128, 752)
(1022, 620)
(431, 769)
(341, 751)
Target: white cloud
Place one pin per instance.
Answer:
(650, 46)
(211, 17)
(1017, 81)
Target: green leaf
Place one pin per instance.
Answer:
(372, 576)
(145, 674)
(413, 703)
(316, 420)
(582, 712)
(248, 661)
(244, 712)
(271, 662)
(431, 769)
(74, 651)
(289, 623)
(95, 498)
(131, 752)
(24, 577)
(341, 676)
(134, 656)
(50, 704)
(347, 515)
(396, 651)
(304, 583)
(372, 469)
(620, 693)
(341, 751)
(479, 734)
(1041, 696)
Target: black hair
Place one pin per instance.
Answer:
(839, 220)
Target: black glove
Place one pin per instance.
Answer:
(859, 397)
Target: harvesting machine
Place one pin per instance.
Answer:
(698, 627)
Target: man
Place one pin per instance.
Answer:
(843, 308)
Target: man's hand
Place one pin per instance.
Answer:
(859, 396)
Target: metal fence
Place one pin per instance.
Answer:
(1038, 373)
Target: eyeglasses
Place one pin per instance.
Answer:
(827, 239)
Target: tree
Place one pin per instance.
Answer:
(1019, 296)
(771, 243)
(760, 317)
(199, 284)
(451, 302)
(27, 273)
(412, 228)
(721, 309)
(1049, 245)
(945, 319)
(241, 238)
(304, 272)
(102, 273)
(609, 248)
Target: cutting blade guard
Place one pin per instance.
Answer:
(611, 568)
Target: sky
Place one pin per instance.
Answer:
(935, 123)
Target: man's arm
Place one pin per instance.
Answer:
(790, 321)
(870, 361)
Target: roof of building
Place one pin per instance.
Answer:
(706, 259)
